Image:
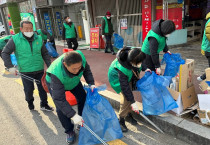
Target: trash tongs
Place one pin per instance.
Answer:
(28, 78)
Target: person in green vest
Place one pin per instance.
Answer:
(3, 42)
(69, 33)
(205, 46)
(155, 42)
(107, 31)
(64, 74)
(46, 36)
(31, 54)
(124, 72)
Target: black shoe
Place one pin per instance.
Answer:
(46, 108)
(122, 125)
(113, 53)
(70, 138)
(130, 119)
(31, 105)
(107, 52)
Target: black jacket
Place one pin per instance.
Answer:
(58, 91)
(10, 48)
(124, 84)
(64, 31)
(154, 44)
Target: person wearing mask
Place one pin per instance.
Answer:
(64, 74)
(107, 31)
(205, 46)
(123, 72)
(3, 42)
(69, 33)
(31, 54)
(155, 42)
(46, 37)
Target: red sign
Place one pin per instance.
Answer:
(174, 14)
(94, 37)
(146, 17)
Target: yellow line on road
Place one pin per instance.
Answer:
(51, 103)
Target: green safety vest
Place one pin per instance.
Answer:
(56, 68)
(160, 39)
(205, 46)
(106, 27)
(28, 59)
(2, 41)
(44, 37)
(70, 31)
(113, 75)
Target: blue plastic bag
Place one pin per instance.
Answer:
(13, 59)
(173, 61)
(156, 98)
(99, 115)
(51, 49)
(118, 41)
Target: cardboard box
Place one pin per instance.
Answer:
(203, 87)
(204, 108)
(185, 100)
(186, 75)
(207, 74)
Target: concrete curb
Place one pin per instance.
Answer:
(180, 128)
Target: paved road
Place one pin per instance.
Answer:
(19, 126)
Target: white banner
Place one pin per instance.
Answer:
(74, 1)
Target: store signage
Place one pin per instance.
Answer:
(146, 17)
(94, 37)
(41, 2)
(74, 1)
(123, 24)
(58, 17)
(47, 22)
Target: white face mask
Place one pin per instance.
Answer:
(108, 17)
(137, 66)
(28, 34)
(167, 35)
(69, 20)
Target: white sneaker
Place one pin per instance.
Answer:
(199, 78)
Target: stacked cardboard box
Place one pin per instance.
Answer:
(185, 94)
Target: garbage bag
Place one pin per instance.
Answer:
(118, 41)
(156, 98)
(51, 49)
(173, 61)
(100, 117)
(13, 59)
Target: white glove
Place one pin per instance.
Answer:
(148, 70)
(135, 107)
(77, 119)
(103, 36)
(92, 87)
(158, 71)
(48, 40)
(168, 52)
(13, 70)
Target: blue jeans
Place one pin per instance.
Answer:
(80, 96)
(29, 88)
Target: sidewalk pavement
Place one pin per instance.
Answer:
(184, 129)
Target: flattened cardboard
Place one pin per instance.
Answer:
(186, 75)
(174, 93)
(203, 118)
(207, 74)
(203, 85)
(189, 97)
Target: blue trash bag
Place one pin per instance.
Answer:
(100, 117)
(51, 49)
(13, 59)
(156, 98)
(118, 41)
(173, 61)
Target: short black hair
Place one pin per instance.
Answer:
(25, 22)
(65, 17)
(136, 56)
(72, 57)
